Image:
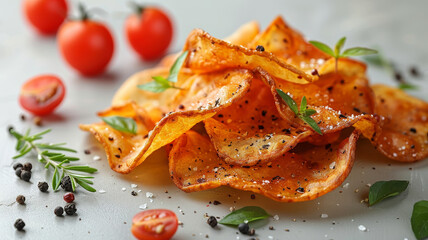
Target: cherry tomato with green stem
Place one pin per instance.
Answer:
(149, 32)
(46, 16)
(85, 44)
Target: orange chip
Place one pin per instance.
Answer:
(288, 44)
(301, 175)
(251, 130)
(221, 88)
(403, 134)
(207, 54)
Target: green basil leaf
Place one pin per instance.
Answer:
(419, 220)
(303, 104)
(312, 124)
(153, 86)
(173, 72)
(339, 46)
(287, 99)
(310, 112)
(251, 213)
(122, 124)
(357, 51)
(407, 86)
(385, 189)
(323, 47)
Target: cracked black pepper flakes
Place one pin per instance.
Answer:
(260, 48)
(216, 202)
(19, 224)
(43, 186)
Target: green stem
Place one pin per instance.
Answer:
(84, 15)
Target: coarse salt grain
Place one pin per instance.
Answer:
(124, 189)
(134, 185)
(362, 228)
(96, 158)
(276, 217)
(143, 206)
(346, 185)
(102, 191)
(149, 194)
(324, 215)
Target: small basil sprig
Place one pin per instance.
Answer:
(302, 113)
(407, 86)
(419, 220)
(250, 214)
(161, 84)
(123, 124)
(336, 54)
(385, 189)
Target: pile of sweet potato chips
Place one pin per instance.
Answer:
(252, 140)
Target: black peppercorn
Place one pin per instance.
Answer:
(43, 186)
(70, 208)
(244, 228)
(27, 166)
(20, 199)
(134, 193)
(212, 221)
(25, 175)
(59, 211)
(260, 48)
(18, 172)
(19, 224)
(17, 165)
(66, 184)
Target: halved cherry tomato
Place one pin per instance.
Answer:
(86, 45)
(45, 15)
(42, 94)
(149, 32)
(154, 224)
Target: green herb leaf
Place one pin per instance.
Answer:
(419, 220)
(323, 47)
(175, 69)
(251, 213)
(122, 124)
(310, 112)
(288, 100)
(154, 86)
(407, 86)
(303, 104)
(339, 46)
(357, 51)
(385, 189)
(56, 180)
(84, 185)
(81, 169)
(312, 123)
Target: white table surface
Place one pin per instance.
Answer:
(398, 28)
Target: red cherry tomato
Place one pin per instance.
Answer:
(154, 224)
(45, 15)
(86, 45)
(42, 94)
(149, 33)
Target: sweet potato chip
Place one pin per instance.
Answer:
(251, 130)
(403, 134)
(288, 44)
(301, 175)
(207, 54)
(221, 88)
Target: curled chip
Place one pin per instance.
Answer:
(301, 175)
(288, 44)
(221, 88)
(207, 53)
(251, 130)
(403, 132)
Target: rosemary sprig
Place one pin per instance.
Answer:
(303, 112)
(161, 84)
(50, 155)
(336, 54)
